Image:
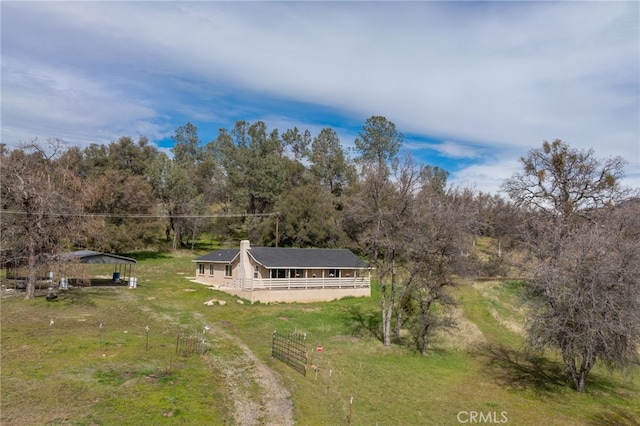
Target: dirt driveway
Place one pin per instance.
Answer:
(259, 396)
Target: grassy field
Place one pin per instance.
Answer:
(73, 371)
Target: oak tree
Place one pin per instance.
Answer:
(564, 181)
(584, 291)
(41, 203)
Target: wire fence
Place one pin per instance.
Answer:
(190, 342)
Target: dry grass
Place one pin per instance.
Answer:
(504, 307)
(466, 336)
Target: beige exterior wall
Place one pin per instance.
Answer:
(218, 278)
(297, 296)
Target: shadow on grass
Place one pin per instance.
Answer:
(86, 296)
(362, 323)
(615, 418)
(521, 370)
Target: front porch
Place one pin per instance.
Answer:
(318, 283)
(292, 290)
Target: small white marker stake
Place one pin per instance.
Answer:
(147, 330)
(50, 329)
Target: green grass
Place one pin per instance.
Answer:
(70, 373)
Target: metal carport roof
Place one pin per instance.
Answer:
(90, 256)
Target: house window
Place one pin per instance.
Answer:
(256, 270)
(228, 271)
(278, 273)
(296, 273)
(334, 273)
(211, 270)
(201, 268)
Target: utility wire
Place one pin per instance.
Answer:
(135, 215)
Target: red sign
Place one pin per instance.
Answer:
(319, 348)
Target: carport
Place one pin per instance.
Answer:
(123, 266)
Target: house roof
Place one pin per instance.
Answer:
(222, 255)
(90, 256)
(278, 257)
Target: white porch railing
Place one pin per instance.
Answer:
(298, 283)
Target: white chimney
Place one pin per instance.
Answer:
(244, 266)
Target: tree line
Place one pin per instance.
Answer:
(576, 229)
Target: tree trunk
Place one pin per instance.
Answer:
(424, 334)
(581, 382)
(425, 312)
(398, 325)
(387, 304)
(579, 376)
(386, 317)
(32, 275)
(399, 311)
(392, 296)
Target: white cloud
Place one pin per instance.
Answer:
(486, 177)
(502, 76)
(449, 149)
(45, 101)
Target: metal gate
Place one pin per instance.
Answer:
(290, 349)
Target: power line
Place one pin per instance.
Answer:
(135, 215)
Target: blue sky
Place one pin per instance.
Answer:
(472, 85)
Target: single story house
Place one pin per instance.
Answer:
(275, 274)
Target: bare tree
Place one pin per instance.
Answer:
(413, 230)
(564, 181)
(378, 216)
(41, 200)
(443, 223)
(584, 292)
(586, 303)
